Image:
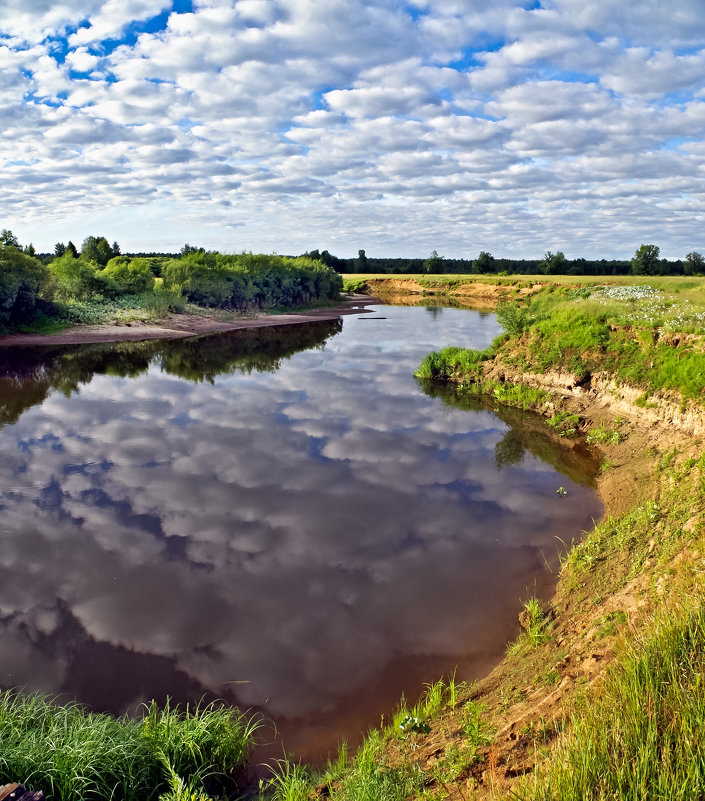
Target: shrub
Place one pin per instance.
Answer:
(22, 279)
(132, 276)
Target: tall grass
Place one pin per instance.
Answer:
(644, 735)
(71, 754)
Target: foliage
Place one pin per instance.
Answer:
(484, 263)
(22, 280)
(132, 276)
(646, 260)
(248, 280)
(513, 318)
(354, 284)
(72, 755)
(694, 263)
(553, 263)
(8, 239)
(434, 263)
(98, 250)
(449, 361)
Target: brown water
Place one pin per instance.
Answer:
(281, 518)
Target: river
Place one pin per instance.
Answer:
(280, 518)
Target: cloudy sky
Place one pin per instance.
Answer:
(513, 126)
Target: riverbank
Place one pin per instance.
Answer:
(600, 695)
(180, 326)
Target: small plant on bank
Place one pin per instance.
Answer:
(564, 424)
(601, 435)
(534, 621)
(411, 723)
(513, 318)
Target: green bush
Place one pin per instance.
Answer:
(132, 276)
(250, 280)
(22, 280)
(76, 279)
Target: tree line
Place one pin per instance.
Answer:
(646, 261)
(34, 289)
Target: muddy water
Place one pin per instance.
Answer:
(282, 518)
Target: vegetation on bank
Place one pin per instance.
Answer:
(647, 335)
(169, 755)
(94, 286)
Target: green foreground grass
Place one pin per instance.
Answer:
(170, 755)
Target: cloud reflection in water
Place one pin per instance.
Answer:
(302, 530)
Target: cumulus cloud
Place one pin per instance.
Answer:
(378, 121)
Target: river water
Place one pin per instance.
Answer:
(281, 518)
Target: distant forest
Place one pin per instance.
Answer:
(646, 261)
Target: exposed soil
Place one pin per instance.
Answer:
(178, 326)
(472, 289)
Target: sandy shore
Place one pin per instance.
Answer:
(178, 326)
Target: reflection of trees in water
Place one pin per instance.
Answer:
(527, 432)
(28, 375)
(509, 450)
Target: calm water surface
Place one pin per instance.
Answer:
(280, 518)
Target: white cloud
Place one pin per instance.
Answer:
(375, 125)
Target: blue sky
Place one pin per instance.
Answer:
(397, 127)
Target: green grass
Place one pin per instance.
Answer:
(71, 754)
(451, 361)
(354, 284)
(643, 735)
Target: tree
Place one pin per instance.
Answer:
(361, 263)
(433, 264)
(484, 263)
(97, 249)
(59, 249)
(694, 263)
(30, 251)
(553, 263)
(8, 239)
(116, 249)
(186, 249)
(71, 248)
(645, 260)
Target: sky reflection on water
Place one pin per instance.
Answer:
(326, 532)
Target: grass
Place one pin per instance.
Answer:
(643, 736)
(71, 754)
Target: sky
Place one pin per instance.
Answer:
(512, 126)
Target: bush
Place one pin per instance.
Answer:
(250, 280)
(132, 276)
(513, 318)
(22, 280)
(75, 279)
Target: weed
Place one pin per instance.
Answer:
(602, 435)
(609, 624)
(643, 736)
(564, 424)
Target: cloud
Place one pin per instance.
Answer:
(377, 121)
